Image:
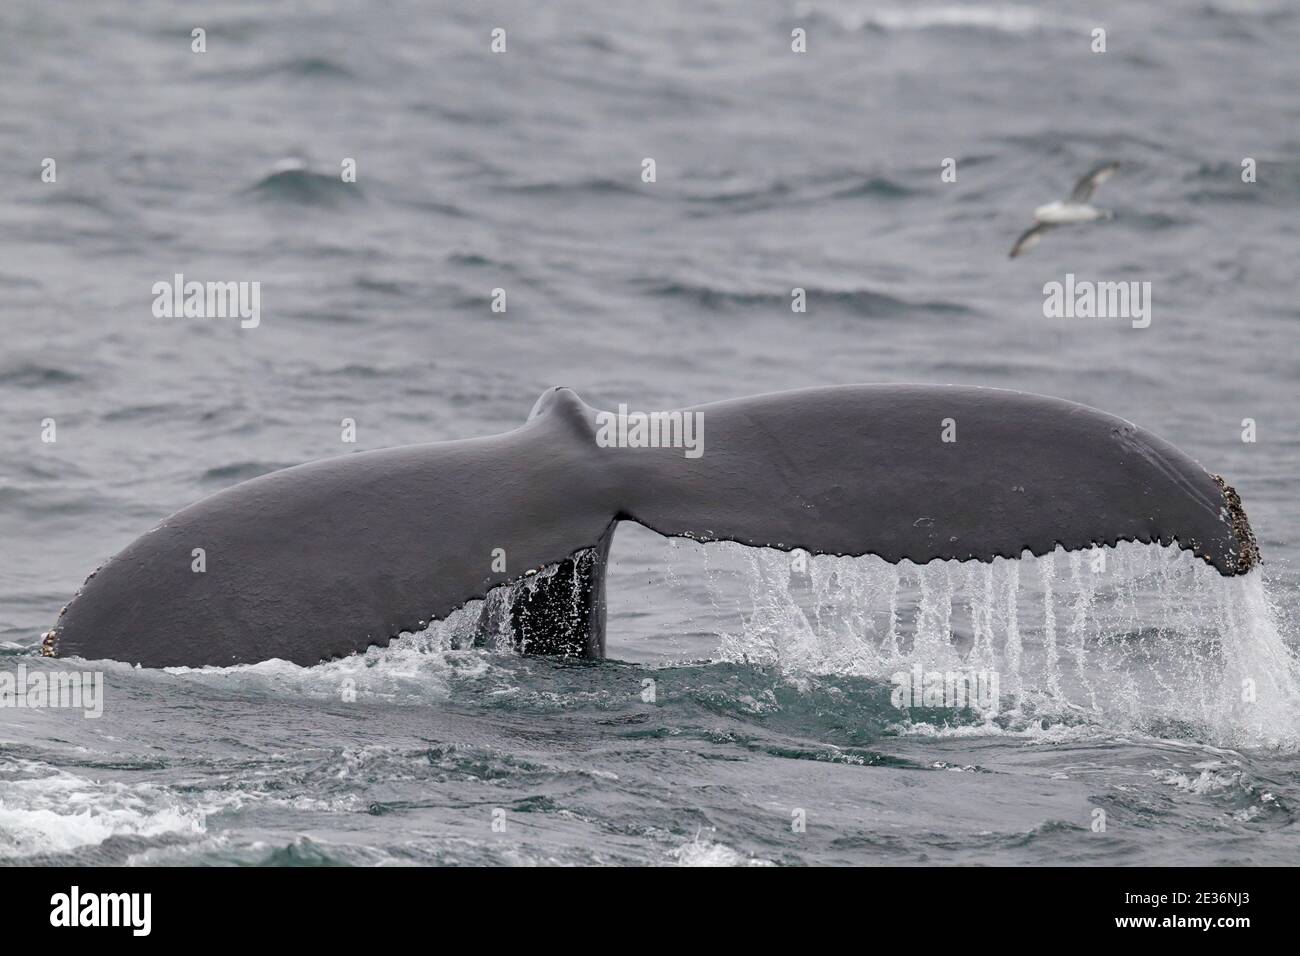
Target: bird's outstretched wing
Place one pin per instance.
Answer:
(1091, 180)
(1029, 238)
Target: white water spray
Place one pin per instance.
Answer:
(1134, 638)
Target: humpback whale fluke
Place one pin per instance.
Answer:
(1072, 211)
(327, 558)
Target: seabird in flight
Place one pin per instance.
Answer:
(1067, 212)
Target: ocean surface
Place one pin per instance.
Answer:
(745, 714)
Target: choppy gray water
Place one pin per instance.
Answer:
(1121, 689)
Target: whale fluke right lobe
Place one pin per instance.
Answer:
(865, 469)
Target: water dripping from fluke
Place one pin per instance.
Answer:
(1131, 639)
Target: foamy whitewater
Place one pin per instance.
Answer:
(1146, 708)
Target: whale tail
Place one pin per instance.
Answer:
(327, 558)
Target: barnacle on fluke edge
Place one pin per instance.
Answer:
(1247, 555)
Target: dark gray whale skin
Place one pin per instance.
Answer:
(327, 558)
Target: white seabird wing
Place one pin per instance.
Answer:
(1091, 180)
(1029, 238)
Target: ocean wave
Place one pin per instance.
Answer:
(745, 197)
(239, 471)
(589, 186)
(292, 182)
(874, 187)
(46, 811)
(34, 375)
(10, 281)
(709, 853)
(312, 68)
(864, 302)
(1277, 183)
(393, 287)
(1000, 18)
